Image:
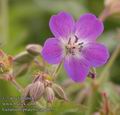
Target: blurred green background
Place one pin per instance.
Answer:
(27, 21)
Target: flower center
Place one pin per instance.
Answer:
(74, 46)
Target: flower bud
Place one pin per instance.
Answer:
(22, 62)
(38, 77)
(37, 90)
(43, 77)
(23, 57)
(34, 49)
(26, 95)
(49, 94)
(59, 92)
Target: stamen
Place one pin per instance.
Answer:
(76, 39)
(80, 44)
(69, 40)
(74, 46)
(80, 48)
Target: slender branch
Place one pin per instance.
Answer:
(106, 108)
(92, 98)
(17, 85)
(105, 13)
(57, 70)
(11, 79)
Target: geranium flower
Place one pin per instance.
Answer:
(75, 44)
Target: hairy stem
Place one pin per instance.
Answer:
(105, 13)
(92, 98)
(57, 70)
(17, 85)
(12, 80)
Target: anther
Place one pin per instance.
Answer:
(73, 47)
(76, 39)
(80, 48)
(69, 40)
(80, 43)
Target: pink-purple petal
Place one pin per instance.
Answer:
(88, 27)
(52, 52)
(97, 54)
(77, 69)
(62, 25)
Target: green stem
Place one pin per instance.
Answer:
(57, 70)
(105, 14)
(14, 82)
(92, 98)
(17, 85)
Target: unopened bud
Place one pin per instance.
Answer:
(21, 63)
(49, 94)
(34, 49)
(37, 90)
(47, 83)
(43, 77)
(23, 57)
(38, 77)
(26, 95)
(59, 92)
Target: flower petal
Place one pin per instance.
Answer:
(97, 54)
(77, 69)
(88, 27)
(52, 52)
(61, 25)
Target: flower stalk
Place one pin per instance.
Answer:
(105, 13)
(12, 80)
(105, 108)
(57, 70)
(92, 98)
(17, 85)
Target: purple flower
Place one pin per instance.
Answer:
(75, 44)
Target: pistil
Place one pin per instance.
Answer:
(74, 46)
